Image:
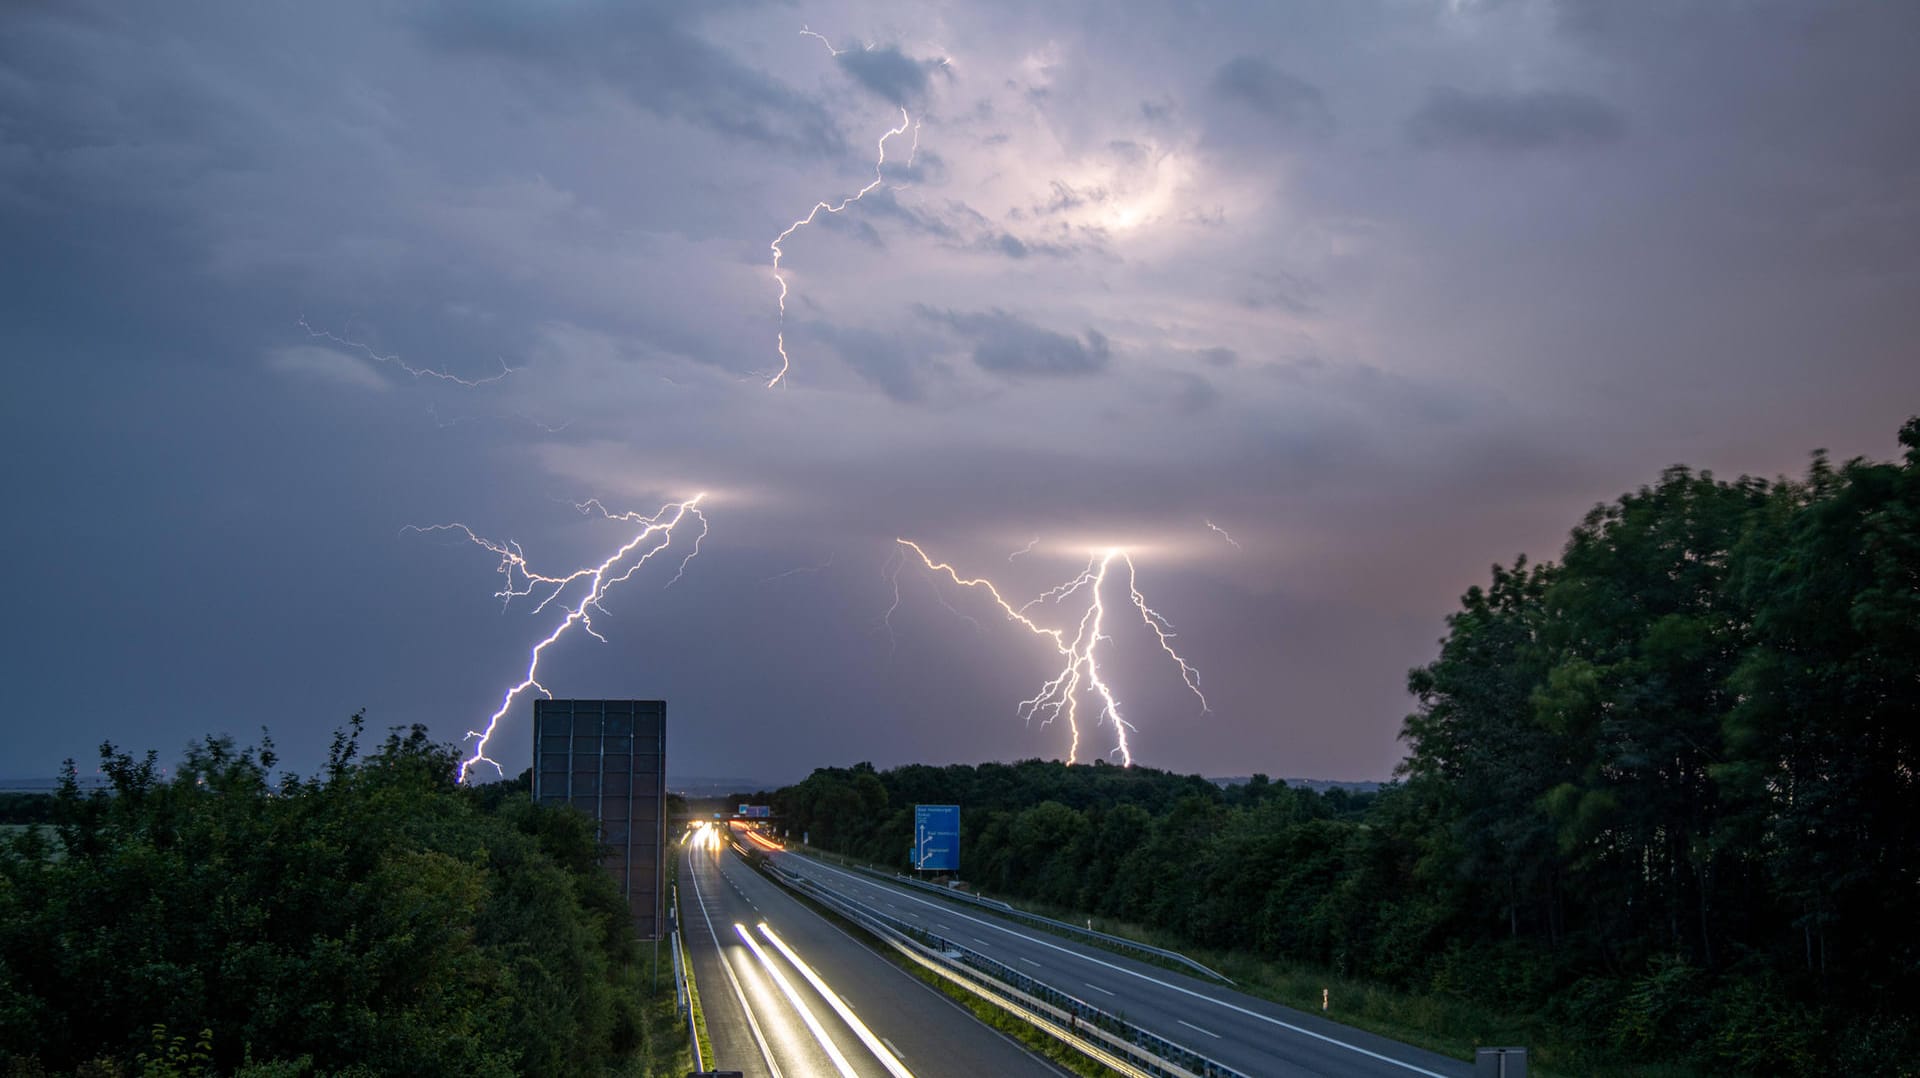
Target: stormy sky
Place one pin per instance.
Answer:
(1387, 289)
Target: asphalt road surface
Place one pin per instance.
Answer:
(767, 1029)
(1251, 1035)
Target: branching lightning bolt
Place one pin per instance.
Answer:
(395, 361)
(1223, 533)
(657, 533)
(1028, 549)
(879, 165)
(831, 51)
(1079, 652)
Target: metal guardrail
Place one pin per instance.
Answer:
(682, 995)
(1105, 1036)
(1066, 927)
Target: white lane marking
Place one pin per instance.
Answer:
(1031, 962)
(979, 941)
(1097, 988)
(840, 1006)
(959, 1008)
(897, 1052)
(807, 1016)
(753, 1024)
(1197, 1029)
(1152, 980)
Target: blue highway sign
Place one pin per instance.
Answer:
(936, 838)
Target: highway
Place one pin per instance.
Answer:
(1250, 1035)
(768, 1017)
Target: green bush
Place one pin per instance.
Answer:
(375, 917)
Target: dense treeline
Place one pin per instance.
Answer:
(26, 808)
(1665, 794)
(373, 919)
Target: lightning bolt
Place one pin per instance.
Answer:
(831, 51)
(395, 361)
(656, 533)
(1223, 533)
(1080, 672)
(906, 124)
(1028, 549)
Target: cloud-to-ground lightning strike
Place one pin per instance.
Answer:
(1079, 653)
(879, 166)
(655, 535)
(1223, 533)
(395, 361)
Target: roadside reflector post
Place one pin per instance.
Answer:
(1500, 1062)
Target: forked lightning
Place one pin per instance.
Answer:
(1079, 652)
(879, 165)
(657, 533)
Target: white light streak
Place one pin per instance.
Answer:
(395, 361)
(655, 535)
(793, 996)
(1223, 533)
(879, 165)
(887, 1058)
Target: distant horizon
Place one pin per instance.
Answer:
(720, 785)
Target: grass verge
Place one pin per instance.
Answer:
(699, 1016)
(663, 1049)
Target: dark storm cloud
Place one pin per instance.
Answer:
(1533, 120)
(1007, 344)
(884, 203)
(1195, 394)
(1279, 290)
(1065, 198)
(858, 229)
(897, 78)
(649, 53)
(1412, 371)
(1287, 101)
(901, 365)
(1014, 247)
(1008, 245)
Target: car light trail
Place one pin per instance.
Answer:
(1080, 671)
(655, 535)
(867, 1037)
(761, 840)
(793, 996)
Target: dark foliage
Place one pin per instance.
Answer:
(374, 919)
(1665, 793)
